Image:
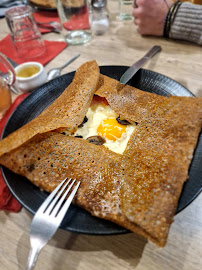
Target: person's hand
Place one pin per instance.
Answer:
(149, 16)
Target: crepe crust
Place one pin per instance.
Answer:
(66, 112)
(138, 190)
(44, 3)
(52, 3)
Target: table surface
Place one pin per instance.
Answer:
(121, 45)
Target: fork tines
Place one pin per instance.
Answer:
(53, 203)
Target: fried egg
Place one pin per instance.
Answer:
(101, 120)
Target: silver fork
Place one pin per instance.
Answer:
(49, 217)
(52, 25)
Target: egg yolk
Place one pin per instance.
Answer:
(111, 129)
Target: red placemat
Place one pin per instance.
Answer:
(78, 21)
(7, 201)
(45, 17)
(53, 48)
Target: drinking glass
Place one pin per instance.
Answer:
(5, 83)
(125, 9)
(74, 17)
(25, 35)
(5, 96)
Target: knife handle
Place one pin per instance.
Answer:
(155, 49)
(136, 66)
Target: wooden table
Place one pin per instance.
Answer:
(121, 45)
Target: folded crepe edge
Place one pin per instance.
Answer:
(84, 83)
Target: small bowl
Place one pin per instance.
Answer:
(29, 75)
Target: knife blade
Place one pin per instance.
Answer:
(136, 66)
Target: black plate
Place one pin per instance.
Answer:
(79, 220)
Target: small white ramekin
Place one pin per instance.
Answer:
(30, 83)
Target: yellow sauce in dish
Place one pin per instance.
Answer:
(27, 72)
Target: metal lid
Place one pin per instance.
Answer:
(98, 4)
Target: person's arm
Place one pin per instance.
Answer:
(187, 24)
(150, 17)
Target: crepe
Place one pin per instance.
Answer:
(44, 3)
(52, 3)
(138, 190)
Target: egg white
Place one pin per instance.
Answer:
(96, 114)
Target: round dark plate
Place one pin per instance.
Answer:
(78, 220)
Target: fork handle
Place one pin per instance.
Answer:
(33, 254)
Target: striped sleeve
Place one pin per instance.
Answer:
(187, 24)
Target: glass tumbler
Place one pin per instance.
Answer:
(74, 17)
(5, 96)
(25, 35)
(125, 9)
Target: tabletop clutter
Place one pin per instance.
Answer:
(75, 25)
(25, 42)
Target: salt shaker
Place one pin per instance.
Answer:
(99, 17)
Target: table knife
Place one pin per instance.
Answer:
(136, 66)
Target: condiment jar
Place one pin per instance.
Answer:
(29, 75)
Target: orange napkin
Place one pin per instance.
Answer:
(53, 48)
(7, 201)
